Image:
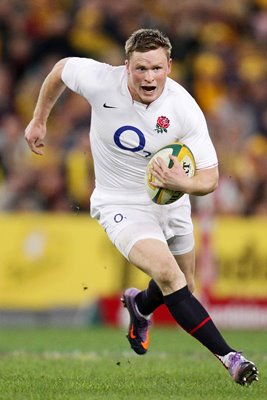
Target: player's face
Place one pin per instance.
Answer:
(147, 73)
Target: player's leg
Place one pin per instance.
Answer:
(129, 233)
(186, 263)
(182, 247)
(154, 258)
(148, 300)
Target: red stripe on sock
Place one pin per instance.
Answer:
(200, 325)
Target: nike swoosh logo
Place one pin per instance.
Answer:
(146, 342)
(132, 335)
(106, 106)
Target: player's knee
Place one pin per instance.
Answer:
(168, 276)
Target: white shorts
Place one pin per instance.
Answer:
(127, 224)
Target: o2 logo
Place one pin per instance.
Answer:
(118, 218)
(140, 136)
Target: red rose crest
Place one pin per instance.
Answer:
(162, 124)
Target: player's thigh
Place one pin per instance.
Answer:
(154, 258)
(126, 224)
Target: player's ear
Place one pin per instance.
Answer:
(127, 65)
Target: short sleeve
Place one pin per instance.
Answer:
(197, 137)
(83, 75)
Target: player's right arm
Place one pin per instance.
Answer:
(50, 91)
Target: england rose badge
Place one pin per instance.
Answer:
(162, 124)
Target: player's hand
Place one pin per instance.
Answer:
(173, 178)
(34, 135)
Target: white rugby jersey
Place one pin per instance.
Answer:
(125, 134)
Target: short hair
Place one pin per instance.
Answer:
(144, 40)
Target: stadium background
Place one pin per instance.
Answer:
(56, 264)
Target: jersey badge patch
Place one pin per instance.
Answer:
(162, 124)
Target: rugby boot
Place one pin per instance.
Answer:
(138, 334)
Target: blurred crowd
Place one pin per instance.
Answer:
(219, 54)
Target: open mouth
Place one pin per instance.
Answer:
(148, 89)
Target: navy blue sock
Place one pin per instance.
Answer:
(148, 300)
(193, 318)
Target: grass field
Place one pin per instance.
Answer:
(96, 363)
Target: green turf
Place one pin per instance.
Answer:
(96, 363)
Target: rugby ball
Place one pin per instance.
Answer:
(185, 158)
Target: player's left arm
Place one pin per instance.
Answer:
(203, 182)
